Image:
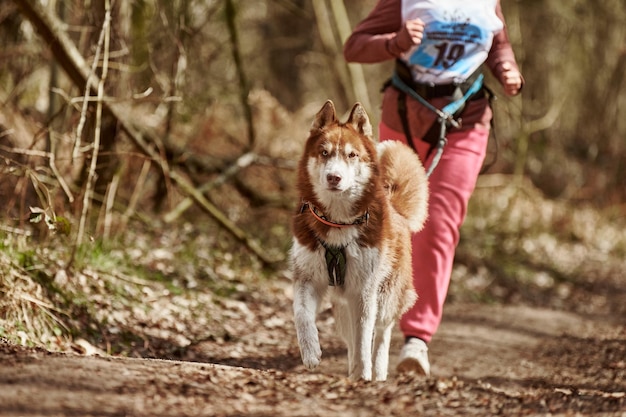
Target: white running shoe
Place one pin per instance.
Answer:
(414, 357)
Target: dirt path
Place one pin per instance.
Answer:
(487, 360)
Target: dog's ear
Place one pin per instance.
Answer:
(324, 117)
(360, 121)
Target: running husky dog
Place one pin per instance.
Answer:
(352, 237)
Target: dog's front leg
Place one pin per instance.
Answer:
(305, 305)
(364, 339)
(344, 321)
(382, 340)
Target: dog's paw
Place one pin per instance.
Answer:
(360, 373)
(311, 355)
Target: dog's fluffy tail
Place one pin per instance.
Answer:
(404, 178)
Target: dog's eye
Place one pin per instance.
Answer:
(324, 152)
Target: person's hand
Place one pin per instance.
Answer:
(511, 79)
(411, 34)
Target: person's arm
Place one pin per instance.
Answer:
(381, 35)
(501, 60)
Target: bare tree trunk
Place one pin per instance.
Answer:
(244, 87)
(103, 46)
(289, 33)
(52, 32)
(108, 163)
(334, 57)
(357, 77)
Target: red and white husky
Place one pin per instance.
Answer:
(352, 237)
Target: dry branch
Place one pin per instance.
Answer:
(241, 162)
(244, 88)
(73, 63)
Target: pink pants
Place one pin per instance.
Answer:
(451, 185)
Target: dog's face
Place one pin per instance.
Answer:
(340, 157)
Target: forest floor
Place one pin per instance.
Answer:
(486, 360)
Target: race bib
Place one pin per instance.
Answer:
(457, 37)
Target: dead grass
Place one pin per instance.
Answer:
(129, 299)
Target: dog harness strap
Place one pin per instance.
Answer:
(492, 131)
(336, 264)
(402, 86)
(445, 115)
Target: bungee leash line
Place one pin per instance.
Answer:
(445, 115)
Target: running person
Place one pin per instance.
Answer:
(439, 48)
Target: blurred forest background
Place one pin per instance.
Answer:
(186, 117)
(194, 71)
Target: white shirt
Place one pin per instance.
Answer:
(457, 37)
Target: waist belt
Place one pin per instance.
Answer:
(428, 91)
(460, 94)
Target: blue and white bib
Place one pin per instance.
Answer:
(457, 37)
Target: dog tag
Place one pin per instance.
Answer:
(336, 263)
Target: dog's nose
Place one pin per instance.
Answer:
(333, 179)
